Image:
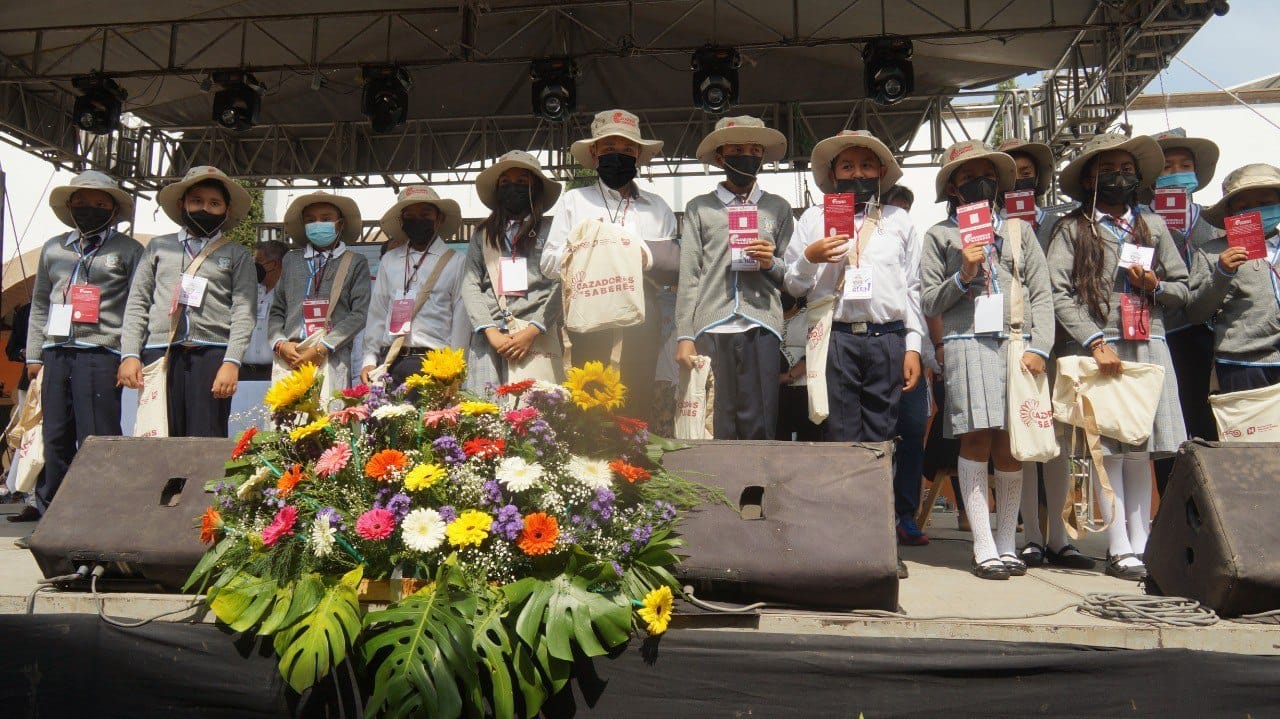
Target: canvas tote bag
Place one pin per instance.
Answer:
(1251, 415)
(1124, 406)
(603, 278)
(397, 344)
(545, 360)
(1030, 413)
(280, 369)
(694, 402)
(153, 399)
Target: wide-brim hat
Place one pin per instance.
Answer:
(742, 130)
(1205, 152)
(1143, 148)
(487, 182)
(1041, 155)
(90, 180)
(170, 196)
(962, 152)
(615, 123)
(825, 153)
(1258, 176)
(295, 228)
(393, 227)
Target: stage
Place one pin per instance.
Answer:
(966, 646)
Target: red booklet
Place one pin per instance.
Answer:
(1171, 204)
(1246, 231)
(975, 224)
(837, 214)
(1020, 204)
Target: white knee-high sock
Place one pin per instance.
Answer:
(1030, 503)
(973, 482)
(1137, 498)
(1056, 489)
(1117, 534)
(1008, 487)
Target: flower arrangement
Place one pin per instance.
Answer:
(529, 533)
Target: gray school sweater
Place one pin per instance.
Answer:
(224, 318)
(110, 269)
(1243, 307)
(1074, 315)
(540, 305)
(346, 319)
(943, 296)
(709, 292)
(1202, 233)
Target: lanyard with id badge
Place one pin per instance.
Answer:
(1135, 308)
(513, 273)
(744, 228)
(840, 218)
(315, 310)
(402, 309)
(977, 228)
(80, 301)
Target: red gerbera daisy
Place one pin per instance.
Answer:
(515, 388)
(484, 448)
(243, 444)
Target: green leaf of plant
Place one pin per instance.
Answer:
(567, 613)
(243, 601)
(319, 640)
(292, 602)
(208, 562)
(494, 647)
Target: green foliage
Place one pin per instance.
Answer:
(319, 640)
(246, 233)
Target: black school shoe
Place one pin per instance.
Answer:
(1068, 557)
(1132, 574)
(1016, 567)
(990, 569)
(1032, 555)
(902, 570)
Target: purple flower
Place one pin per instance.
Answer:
(492, 493)
(603, 503)
(508, 523)
(667, 509)
(641, 535)
(617, 568)
(377, 396)
(397, 504)
(540, 435)
(448, 513)
(332, 514)
(448, 449)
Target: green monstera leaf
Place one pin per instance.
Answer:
(319, 640)
(565, 612)
(244, 600)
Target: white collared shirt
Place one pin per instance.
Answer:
(892, 253)
(259, 350)
(645, 216)
(442, 321)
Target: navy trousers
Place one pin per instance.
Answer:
(79, 398)
(913, 415)
(1238, 377)
(864, 386)
(193, 410)
(1191, 350)
(746, 367)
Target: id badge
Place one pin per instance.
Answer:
(988, 314)
(191, 290)
(513, 276)
(744, 228)
(1135, 318)
(84, 303)
(1131, 254)
(401, 317)
(857, 283)
(315, 315)
(59, 324)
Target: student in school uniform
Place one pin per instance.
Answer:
(616, 150)
(1189, 165)
(734, 316)
(422, 221)
(969, 288)
(301, 306)
(211, 311)
(514, 308)
(1240, 295)
(1035, 165)
(77, 309)
(268, 262)
(1091, 292)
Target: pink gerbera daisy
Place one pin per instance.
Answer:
(349, 414)
(333, 460)
(281, 526)
(376, 524)
(435, 417)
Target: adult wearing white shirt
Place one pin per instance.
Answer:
(422, 221)
(268, 260)
(875, 336)
(615, 151)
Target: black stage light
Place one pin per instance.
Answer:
(238, 101)
(385, 100)
(97, 107)
(886, 66)
(715, 78)
(554, 91)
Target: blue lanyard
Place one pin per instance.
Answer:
(312, 271)
(85, 259)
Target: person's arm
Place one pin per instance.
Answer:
(801, 275)
(356, 289)
(375, 328)
(482, 305)
(39, 309)
(786, 230)
(278, 313)
(1039, 295)
(690, 274)
(561, 225)
(1172, 291)
(244, 306)
(939, 290)
(460, 323)
(1209, 286)
(137, 313)
(664, 250)
(914, 315)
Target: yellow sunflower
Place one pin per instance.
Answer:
(470, 529)
(477, 408)
(291, 388)
(444, 365)
(417, 381)
(306, 430)
(656, 611)
(594, 385)
(424, 476)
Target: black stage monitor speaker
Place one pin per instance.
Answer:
(1216, 537)
(134, 505)
(811, 524)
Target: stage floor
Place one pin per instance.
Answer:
(941, 599)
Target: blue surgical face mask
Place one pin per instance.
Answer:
(1270, 217)
(322, 234)
(1185, 180)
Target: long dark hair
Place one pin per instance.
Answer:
(495, 225)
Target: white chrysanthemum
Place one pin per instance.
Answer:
(423, 530)
(322, 536)
(547, 387)
(517, 475)
(394, 411)
(248, 486)
(592, 473)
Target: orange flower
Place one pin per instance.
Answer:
(289, 480)
(385, 463)
(210, 525)
(629, 472)
(243, 444)
(539, 534)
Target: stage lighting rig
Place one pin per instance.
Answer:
(238, 100)
(97, 107)
(886, 66)
(554, 91)
(385, 99)
(715, 78)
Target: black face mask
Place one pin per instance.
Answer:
(741, 170)
(1024, 183)
(261, 270)
(1117, 188)
(420, 232)
(201, 223)
(514, 198)
(616, 169)
(862, 188)
(979, 189)
(90, 219)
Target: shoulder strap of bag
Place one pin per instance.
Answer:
(1014, 242)
(865, 233)
(209, 249)
(398, 343)
(339, 279)
(1093, 442)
